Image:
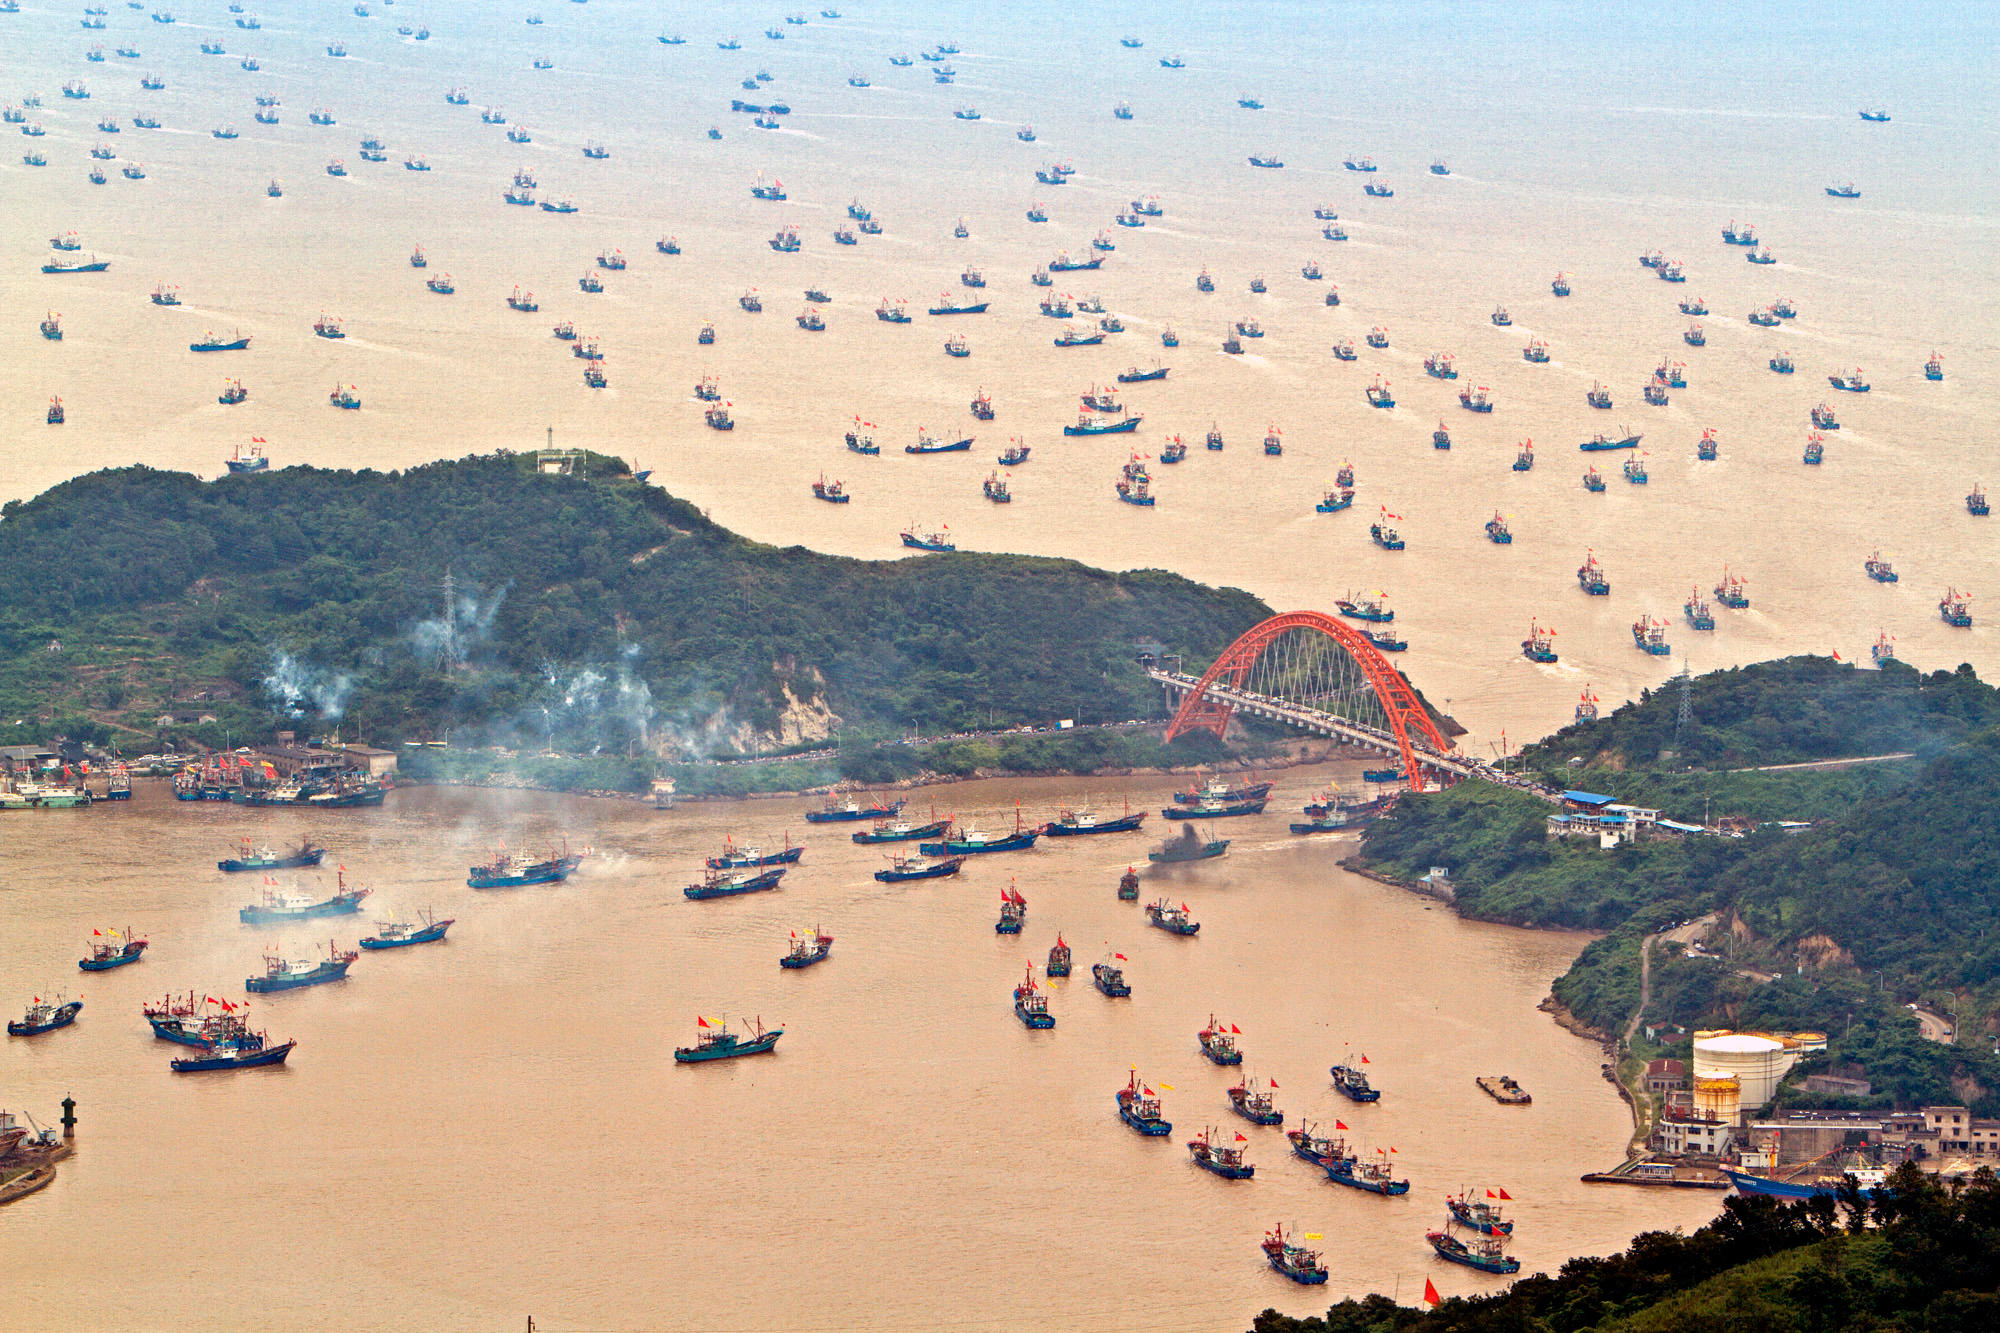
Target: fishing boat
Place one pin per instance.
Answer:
(523, 301)
(1478, 398)
(1274, 444)
(1956, 608)
(1884, 649)
(1485, 1253)
(899, 830)
(1635, 470)
(275, 906)
(1077, 338)
(90, 265)
(807, 949)
(1337, 499)
(1649, 635)
(1352, 1083)
(1975, 501)
(1109, 978)
(1089, 425)
(730, 883)
(282, 974)
(1878, 568)
(931, 444)
(1694, 337)
(44, 1016)
(1189, 846)
(1761, 256)
(811, 320)
(1846, 191)
(1030, 1005)
(972, 841)
(329, 326)
(1601, 443)
(1084, 822)
(401, 934)
(1344, 350)
(1218, 1042)
(716, 416)
(1225, 1160)
(247, 1051)
(1524, 461)
(1438, 365)
(264, 858)
(1815, 452)
(1768, 318)
(668, 245)
(1384, 533)
(1697, 612)
(1539, 646)
(1372, 607)
(956, 345)
(345, 396)
(1128, 885)
(833, 492)
(733, 858)
(849, 810)
(1270, 160)
(109, 949)
(1174, 920)
(1598, 395)
(714, 1041)
(1139, 1107)
(1059, 959)
(1378, 393)
(1013, 912)
(1849, 383)
(1730, 592)
(1707, 448)
(1255, 1104)
(1497, 530)
(904, 868)
(1137, 376)
(521, 870)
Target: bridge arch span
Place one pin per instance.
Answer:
(1320, 662)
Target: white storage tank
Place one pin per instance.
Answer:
(1757, 1062)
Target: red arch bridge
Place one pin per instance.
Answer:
(1308, 670)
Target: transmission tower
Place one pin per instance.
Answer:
(1686, 709)
(447, 655)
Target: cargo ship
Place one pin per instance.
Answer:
(714, 1041)
(295, 973)
(1030, 1005)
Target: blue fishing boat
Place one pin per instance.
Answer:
(838, 811)
(1384, 532)
(1879, 569)
(236, 1054)
(399, 934)
(714, 1041)
(1030, 1005)
(1219, 1043)
(732, 883)
(905, 868)
(263, 858)
(1109, 978)
(1846, 191)
(277, 907)
(1059, 958)
(109, 949)
(1600, 443)
(1480, 1215)
(1375, 1177)
(732, 859)
(901, 831)
(1138, 376)
(1352, 1083)
(1852, 383)
(972, 841)
(295, 973)
(807, 949)
(1212, 808)
(1089, 425)
(520, 870)
(1174, 920)
(1649, 636)
(1074, 338)
(211, 343)
(1871, 1183)
(1078, 823)
(1539, 646)
(1139, 1107)
(44, 1016)
(1225, 1160)
(1318, 1149)
(1255, 1104)
(1013, 912)
(930, 444)
(1484, 1253)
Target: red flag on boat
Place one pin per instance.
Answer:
(1274, 1083)
(1392, 1150)
(1121, 957)
(1364, 1059)
(700, 1022)
(1235, 1031)
(1508, 1197)
(1431, 1296)
(1145, 1091)
(1338, 1125)
(1836, 655)
(97, 932)
(1489, 1194)
(256, 439)
(1059, 942)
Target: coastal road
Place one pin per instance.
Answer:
(1827, 763)
(1934, 1027)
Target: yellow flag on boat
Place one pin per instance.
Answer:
(1314, 1235)
(1167, 1086)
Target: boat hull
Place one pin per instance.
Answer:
(554, 875)
(319, 976)
(1018, 842)
(943, 869)
(1215, 812)
(62, 1018)
(751, 884)
(931, 830)
(206, 1064)
(695, 1055)
(1124, 824)
(858, 813)
(428, 935)
(265, 916)
(120, 959)
(311, 858)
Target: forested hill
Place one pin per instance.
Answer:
(1791, 710)
(590, 611)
